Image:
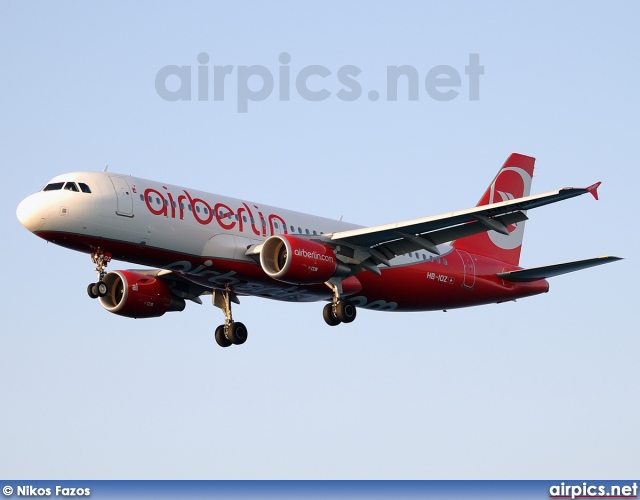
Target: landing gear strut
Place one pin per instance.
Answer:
(231, 332)
(100, 288)
(340, 310)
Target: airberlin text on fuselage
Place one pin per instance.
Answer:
(226, 217)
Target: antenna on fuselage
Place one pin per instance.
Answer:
(106, 167)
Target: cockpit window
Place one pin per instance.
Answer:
(54, 186)
(68, 186)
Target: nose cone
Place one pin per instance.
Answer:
(31, 213)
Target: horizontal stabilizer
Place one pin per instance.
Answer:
(540, 273)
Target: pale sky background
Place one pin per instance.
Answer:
(546, 387)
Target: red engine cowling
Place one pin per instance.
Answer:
(298, 261)
(138, 296)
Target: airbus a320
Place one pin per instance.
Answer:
(203, 244)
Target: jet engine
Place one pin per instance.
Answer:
(299, 261)
(138, 296)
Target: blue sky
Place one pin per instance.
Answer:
(542, 388)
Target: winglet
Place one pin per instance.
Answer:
(593, 189)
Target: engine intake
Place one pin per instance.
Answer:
(138, 296)
(299, 261)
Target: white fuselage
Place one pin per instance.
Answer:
(182, 220)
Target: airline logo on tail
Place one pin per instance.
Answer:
(513, 181)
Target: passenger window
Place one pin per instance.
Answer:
(71, 186)
(84, 188)
(54, 186)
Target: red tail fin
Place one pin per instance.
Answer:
(513, 181)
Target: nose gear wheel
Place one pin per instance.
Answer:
(100, 288)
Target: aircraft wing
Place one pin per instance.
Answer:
(179, 285)
(183, 287)
(384, 242)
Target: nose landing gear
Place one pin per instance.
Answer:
(100, 288)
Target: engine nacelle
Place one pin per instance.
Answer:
(298, 261)
(138, 296)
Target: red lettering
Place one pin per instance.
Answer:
(262, 222)
(155, 211)
(172, 203)
(273, 217)
(253, 222)
(228, 212)
(225, 216)
(241, 219)
(194, 209)
(181, 198)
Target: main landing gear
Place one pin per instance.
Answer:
(231, 332)
(100, 288)
(339, 311)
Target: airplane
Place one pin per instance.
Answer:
(202, 244)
